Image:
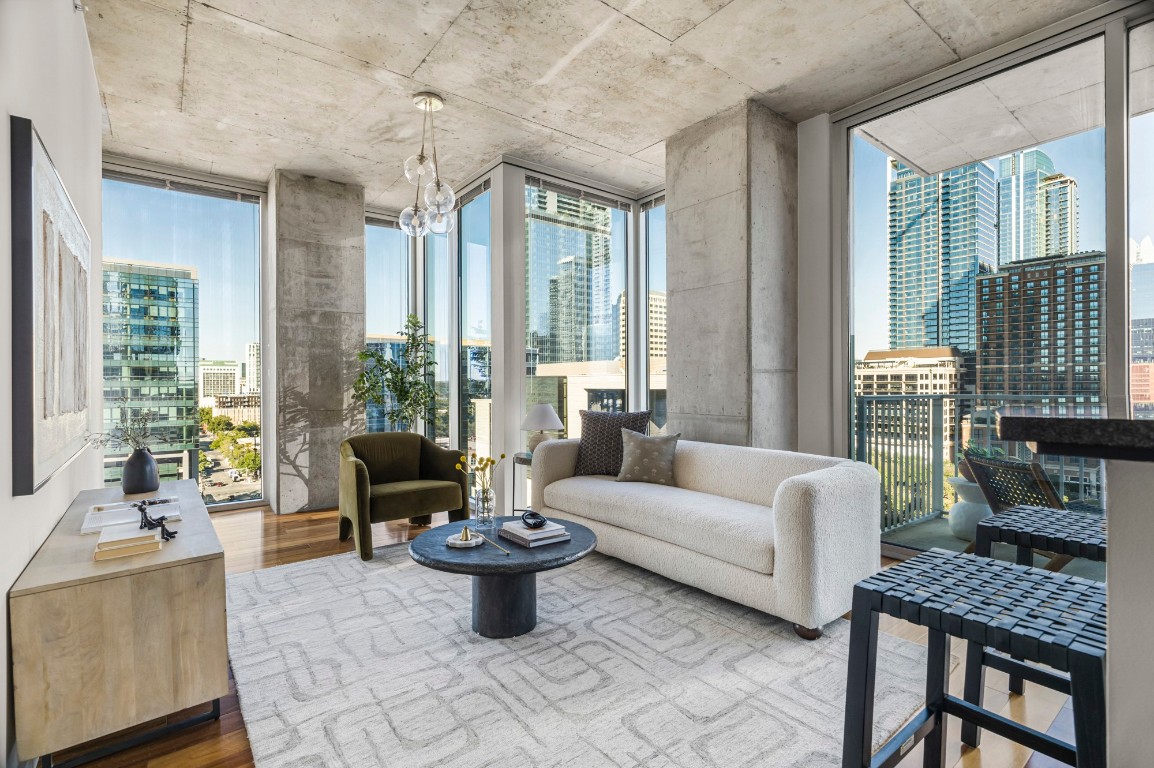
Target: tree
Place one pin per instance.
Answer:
(400, 386)
(204, 464)
(219, 424)
(248, 428)
(205, 416)
(248, 461)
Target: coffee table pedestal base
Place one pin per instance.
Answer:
(504, 605)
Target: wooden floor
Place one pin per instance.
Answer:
(257, 538)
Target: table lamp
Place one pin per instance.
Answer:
(541, 418)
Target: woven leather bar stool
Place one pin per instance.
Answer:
(1065, 533)
(1045, 618)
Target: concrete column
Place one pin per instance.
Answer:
(731, 202)
(319, 232)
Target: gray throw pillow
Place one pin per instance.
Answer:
(647, 459)
(599, 452)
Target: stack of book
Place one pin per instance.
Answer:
(518, 532)
(126, 539)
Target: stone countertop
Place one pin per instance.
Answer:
(1075, 435)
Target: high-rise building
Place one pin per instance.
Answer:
(218, 377)
(568, 278)
(941, 237)
(150, 316)
(1020, 214)
(928, 371)
(1040, 330)
(1058, 207)
(252, 370)
(375, 419)
(658, 323)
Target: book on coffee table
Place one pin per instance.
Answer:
(549, 529)
(539, 541)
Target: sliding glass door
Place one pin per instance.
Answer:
(388, 296)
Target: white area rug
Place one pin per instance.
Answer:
(339, 662)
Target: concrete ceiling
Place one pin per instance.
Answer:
(592, 87)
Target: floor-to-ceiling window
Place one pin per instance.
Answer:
(979, 258)
(1141, 222)
(656, 309)
(388, 292)
(575, 315)
(181, 330)
(438, 324)
(476, 331)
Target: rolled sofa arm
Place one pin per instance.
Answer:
(552, 461)
(826, 539)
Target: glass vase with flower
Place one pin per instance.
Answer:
(483, 469)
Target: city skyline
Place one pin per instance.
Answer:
(1080, 157)
(219, 236)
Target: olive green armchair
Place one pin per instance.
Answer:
(393, 475)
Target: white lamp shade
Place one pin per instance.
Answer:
(541, 416)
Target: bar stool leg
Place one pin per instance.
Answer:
(857, 744)
(974, 690)
(1025, 556)
(937, 686)
(1088, 693)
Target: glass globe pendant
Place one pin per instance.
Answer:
(442, 223)
(414, 222)
(440, 197)
(417, 166)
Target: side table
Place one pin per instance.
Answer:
(520, 459)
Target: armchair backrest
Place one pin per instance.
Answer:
(390, 457)
(1007, 483)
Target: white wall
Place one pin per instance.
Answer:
(46, 74)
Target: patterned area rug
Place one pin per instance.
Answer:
(339, 662)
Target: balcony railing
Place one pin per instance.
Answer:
(914, 441)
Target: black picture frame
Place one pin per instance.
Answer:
(48, 428)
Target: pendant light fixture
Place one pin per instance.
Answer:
(436, 213)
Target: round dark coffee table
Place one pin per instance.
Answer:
(504, 586)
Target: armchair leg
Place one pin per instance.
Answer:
(805, 633)
(344, 528)
(423, 520)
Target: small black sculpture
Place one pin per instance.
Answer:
(151, 524)
(533, 519)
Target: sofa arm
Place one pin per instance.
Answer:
(553, 460)
(826, 539)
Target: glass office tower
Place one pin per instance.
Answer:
(941, 237)
(1020, 207)
(151, 334)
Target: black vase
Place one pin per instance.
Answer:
(140, 473)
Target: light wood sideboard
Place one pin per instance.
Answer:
(98, 647)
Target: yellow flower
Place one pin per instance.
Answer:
(502, 455)
(460, 467)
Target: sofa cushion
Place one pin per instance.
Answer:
(735, 532)
(647, 459)
(600, 450)
(410, 498)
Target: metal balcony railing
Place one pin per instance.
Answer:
(914, 442)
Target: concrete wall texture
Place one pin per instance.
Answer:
(320, 326)
(46, 75)
(731, 203)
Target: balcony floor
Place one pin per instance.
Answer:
(936, 533)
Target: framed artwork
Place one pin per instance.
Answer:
(51, 262)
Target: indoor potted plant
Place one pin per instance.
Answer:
(399, 383)
(132, 430)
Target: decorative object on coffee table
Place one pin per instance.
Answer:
(504, 585)
(541, 419)
(482, 469)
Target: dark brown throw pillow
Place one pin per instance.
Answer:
(600, 450)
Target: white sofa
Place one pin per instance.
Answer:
(785, 533)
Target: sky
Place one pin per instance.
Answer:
(1082, 156)
(219, 237)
